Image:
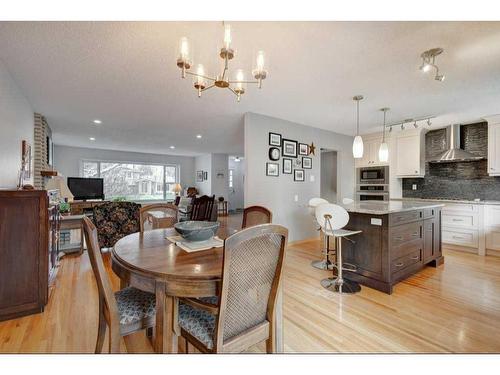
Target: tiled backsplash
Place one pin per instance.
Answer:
(459, 180)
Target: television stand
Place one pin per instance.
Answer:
(79, 207)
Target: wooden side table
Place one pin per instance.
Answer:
(72, 222)
(222, 208)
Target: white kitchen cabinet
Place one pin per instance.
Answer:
(370, 153)
(410, 154)
(494, 149)
(492, 224)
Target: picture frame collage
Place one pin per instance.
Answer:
(295, 157)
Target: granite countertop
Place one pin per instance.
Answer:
(449, 201)
(384, 208)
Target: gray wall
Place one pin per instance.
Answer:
(277, 193)
(204, 163)
(462, 180)
(219, 175)
(236, 196)
(67, 161)
(16, 124)
(328, 185)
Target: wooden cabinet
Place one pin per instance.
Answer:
(24, 252)
(410, 154)
(370, 153)
(432, 237)
(462, 225)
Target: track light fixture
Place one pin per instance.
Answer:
(414, 121)
(429, 62)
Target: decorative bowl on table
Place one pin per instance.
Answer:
(197, 230)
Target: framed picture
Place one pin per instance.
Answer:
(274, 153)
(272, 169)
(307, 163)
(303, 149)
(274, 139)
(199, 176)
(289, 148)
(297, 163)
(299, 175)
(287, 166)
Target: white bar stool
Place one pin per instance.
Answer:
(332, 219)
(325, 263)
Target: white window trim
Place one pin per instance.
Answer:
(99, 161)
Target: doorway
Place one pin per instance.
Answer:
(236, 181)
(328, 185)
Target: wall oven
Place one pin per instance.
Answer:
(373, 175)
(372, 184)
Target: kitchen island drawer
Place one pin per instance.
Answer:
(402, 234)
(405, 217)
(460, 236)
(401, 263)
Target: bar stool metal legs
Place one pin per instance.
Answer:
(339, 284)
(326, 263)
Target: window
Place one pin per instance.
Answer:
(230, 178)
(134, 181)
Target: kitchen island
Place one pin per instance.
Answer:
(399, 238)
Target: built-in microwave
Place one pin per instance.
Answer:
(373, 175)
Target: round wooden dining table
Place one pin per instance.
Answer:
(152, 263)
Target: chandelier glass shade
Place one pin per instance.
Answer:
(203, 81)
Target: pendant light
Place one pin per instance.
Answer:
(357, 145)
(383, 151)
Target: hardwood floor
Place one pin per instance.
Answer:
(455, 308)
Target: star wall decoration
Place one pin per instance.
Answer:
(312, 148)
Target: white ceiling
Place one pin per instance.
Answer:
(124, 73)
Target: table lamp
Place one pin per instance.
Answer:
(177, 189)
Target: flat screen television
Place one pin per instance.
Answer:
(86, 188)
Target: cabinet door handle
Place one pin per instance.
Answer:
(415, 234)
(400, 264)
(415, 257)
(399, 238)
(458, 238)
(458, 220)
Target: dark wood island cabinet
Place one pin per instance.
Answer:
(399, 239)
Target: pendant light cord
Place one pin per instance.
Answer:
(357, 117)
(383, 132)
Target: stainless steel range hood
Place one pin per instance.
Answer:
(454, 152)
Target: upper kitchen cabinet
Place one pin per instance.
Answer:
(371, 145)
(494, 149)
(410, 153)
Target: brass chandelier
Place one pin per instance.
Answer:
(202, 82)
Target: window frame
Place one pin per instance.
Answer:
(163, 165)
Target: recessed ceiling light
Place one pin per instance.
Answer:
(97, 122)
(92, 139)
(198, 136)
(172, 147)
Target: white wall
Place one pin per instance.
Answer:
(16, 124)
(277, 193)
(236, 196)
(67, 161)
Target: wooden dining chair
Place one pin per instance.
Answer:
(202, 209)
(124, 312)
(170, 210)
(256, 215)
(243, 315)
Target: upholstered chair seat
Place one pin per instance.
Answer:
(134, 305)
(198, 323)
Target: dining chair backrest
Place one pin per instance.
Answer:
(106, 296)
(115, 220)
(202, 208)
(256, 215)
(169, 209)
(252, 264)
